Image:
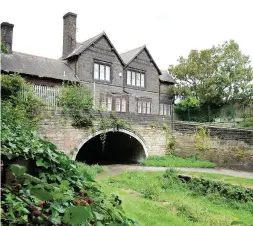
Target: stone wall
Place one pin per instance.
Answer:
(224, 133)
(227, 147)
(68, 138)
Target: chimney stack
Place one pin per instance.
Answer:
(7, 35)
(69, 34)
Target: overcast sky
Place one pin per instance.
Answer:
(168, 28)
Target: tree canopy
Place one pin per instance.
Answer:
(217, 76)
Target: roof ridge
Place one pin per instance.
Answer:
(38, 56)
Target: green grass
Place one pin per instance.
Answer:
(247, 122)
(173, 161)
(146, 212)
(221, 177)
(91, 170)
(174, 205)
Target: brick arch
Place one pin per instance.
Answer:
(130, 133)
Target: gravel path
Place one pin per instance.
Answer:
(117, 169)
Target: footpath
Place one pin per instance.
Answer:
(117, 169)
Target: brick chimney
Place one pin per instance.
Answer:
(7, 35)
(69, 34)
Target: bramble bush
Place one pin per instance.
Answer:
(41, 186)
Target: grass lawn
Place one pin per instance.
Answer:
(147, 201)
(221, 177)
(173, 161)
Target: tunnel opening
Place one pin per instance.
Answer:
(118, 148)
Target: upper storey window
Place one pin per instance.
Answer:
(102, 72)
(135, 79)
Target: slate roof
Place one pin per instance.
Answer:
(166, 77)
(129, 56)
(80, 47)
(37, 66)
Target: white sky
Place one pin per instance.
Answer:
(168, 28)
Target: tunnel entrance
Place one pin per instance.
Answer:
(119, 148)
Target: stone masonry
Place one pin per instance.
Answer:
(68, 139)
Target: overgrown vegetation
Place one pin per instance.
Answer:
(174, 161)
(77, 101)
(224, 178)
(184, 202)
(41, 186)
(170, 139)
(202, 138)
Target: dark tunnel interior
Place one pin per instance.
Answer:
(119, 148)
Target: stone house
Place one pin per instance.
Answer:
(128, 82)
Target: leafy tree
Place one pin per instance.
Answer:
(216, 76)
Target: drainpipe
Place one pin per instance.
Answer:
(94, 94)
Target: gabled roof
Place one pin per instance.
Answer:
(129, 56)
(80, 47)
(37, 66)
(166, 77)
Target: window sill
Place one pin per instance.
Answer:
(102, 81)
(136, 87)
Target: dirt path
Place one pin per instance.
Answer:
(117, 169)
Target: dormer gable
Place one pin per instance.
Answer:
(101, 40)
(140, 54)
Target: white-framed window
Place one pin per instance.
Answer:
(117, 104)
(128, 77)
(142, 80)
(109, 103)
(138, 79)
(102, 72)
(144, 107)
(107, 73)
(139, 107)
(165, 109)
(96, 71)
(123, 105)
(135, 79)
(148, 108)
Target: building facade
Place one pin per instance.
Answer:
(128, 82)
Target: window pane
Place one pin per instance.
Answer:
(96, 71)
(144, 107)
(165, 109)
(161, 109)
(128, 77)
(108, 73)
(169, 109)
(109, 103)
(142, 80)
(133, 78)
(138, 79)
(139, 106)
(148, 107)
(123, 105)
(117, 104)
(102, 72)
